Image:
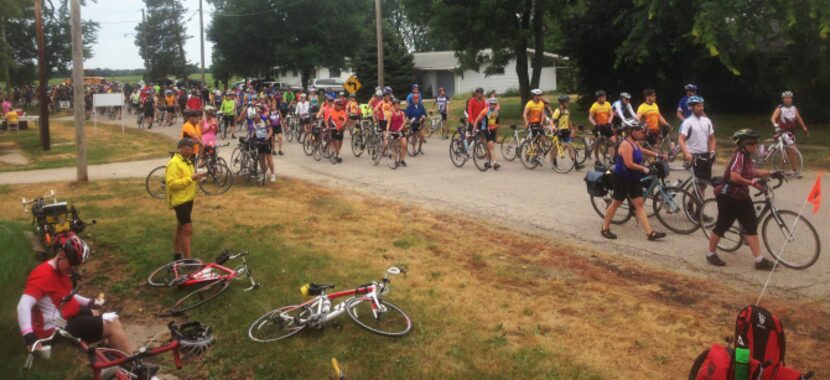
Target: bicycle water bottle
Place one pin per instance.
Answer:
(326, 306)
(741, 363)
(762, 150)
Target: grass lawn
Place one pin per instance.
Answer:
(815, 148)
(494, 305)
(108, 145)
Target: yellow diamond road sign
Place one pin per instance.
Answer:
(352, 85)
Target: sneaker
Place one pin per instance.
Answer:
(233, 136)
(273, 153)
(764, 264)
(496, 166)
(656, 235)
(339, 160)
(715, 260)
(403, 163)
(487, 165)
(273, 178)
(280, 153)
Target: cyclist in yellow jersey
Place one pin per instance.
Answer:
(534, 114)
(649, 113)
(601, 116)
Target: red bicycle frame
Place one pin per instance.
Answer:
(98, 361)
(206, 274)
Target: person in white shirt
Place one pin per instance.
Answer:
(302, 111)
(697, 140)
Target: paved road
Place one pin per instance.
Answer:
(539, 201)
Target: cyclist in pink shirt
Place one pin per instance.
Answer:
(210, 126)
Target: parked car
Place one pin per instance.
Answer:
(329, 85)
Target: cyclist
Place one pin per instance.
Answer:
(488, 120)
(149, 109)
(442, 102)
(628, 170)
(396, 121)
(337, 119)
(228, 109)
(534, 114)
(784, 120)
(180, 179)
(649, 113)
(475, 105)
(416, 91)
(622, 110)
(562, 119)
(275, 119)
(301, 109)
(134, 100)
(192, 129)
(182, 99)
(169, 105)
(384, 109)
(697, 140)
(601, 117)
(288, 99)
(734, 201)
(416, 114)
(41, 309)
(263, 134)
(210, 127)
(684, 109)
(353, 111)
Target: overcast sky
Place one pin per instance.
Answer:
(120, 17)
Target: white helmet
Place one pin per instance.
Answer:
(251, 112)
(536, 91)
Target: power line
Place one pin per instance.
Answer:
(245, 14)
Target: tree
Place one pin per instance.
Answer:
(160, 40)
(491, 33)
(398, 64)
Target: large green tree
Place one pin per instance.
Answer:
(160, 40)
(398, 64)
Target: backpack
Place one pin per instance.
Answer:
(598, 181)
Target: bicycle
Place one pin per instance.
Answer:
(245, 161)
(391, 150)
(360, 135)
(464, 146)
(365, 306)
(218, 180)
(803, 256)
(533, 151)
(188, 338)
(583, 144)
(434, 124)
(292, 130)
(670, 204)
(777, 152)
(51, 219)
(414, 146)
(509, 145)
(214, 279)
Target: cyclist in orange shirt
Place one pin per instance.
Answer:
(649, 113)
(601, 116)
(336, 119)
(353, 111)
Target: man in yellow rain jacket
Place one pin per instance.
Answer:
(180, 180)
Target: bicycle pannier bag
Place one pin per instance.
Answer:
(595, 182)
(662, 168)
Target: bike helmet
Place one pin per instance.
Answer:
(786, 94)
(341, 93)
(743, 135)
(338, 102)
(695, 99)
(75, 249)
(378, 93)
(352, 95)
(192, 113)
(536, 91)
(600, 93)
(210, 110)
(632, 124)
(564, 98)
(493, 101)
(479, 90)
(387, 90)
(690, 87)
(625, 95)
(251, 112)
(194, 338)
(414, 85)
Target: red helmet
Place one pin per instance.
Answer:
(75, 249)
(338, 102)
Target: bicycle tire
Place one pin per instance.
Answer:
(509, 148)
(357, 143)
(218, 180)
(317, 150)
(458, 155)
(580, 149)
(377, 151)
(529, 158)
(393, 151)
(731, 240)
(199, 296)
(308, 146)
(258, 329)
(564, 163)
(673, 213)
(155, 183)
(777, 161)
(236, 161)
(480, 147)
(805, 232)
(600, 204)
(373, 324)
(412, 146)
(164, 275)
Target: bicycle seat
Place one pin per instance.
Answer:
(313, 289)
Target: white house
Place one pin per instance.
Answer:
(293, 76)
(441, 69)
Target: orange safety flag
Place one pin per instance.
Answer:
(815, 194)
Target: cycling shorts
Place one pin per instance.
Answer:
(86, 326)
(788, 137)
(536, 129)
(305, 120)
(626, 188)
(490, 134)
(263, 147)
(444, 116)
(564, 134)
(170, 109)
(382, 125)
(604, 130)
(354, 117)
(277, 129)
(730, 209)
(702, 166)
(414, 127)
(337, 135)
(183, 212)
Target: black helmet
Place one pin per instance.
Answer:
(600, 93)
(744, 135)
(564, 98)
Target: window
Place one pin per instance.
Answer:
(334, 73)
(294, 73)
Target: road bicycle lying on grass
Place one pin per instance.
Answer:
(212, 279)
(190, 338)
(776, 228)
(52, 218)
(365, 306)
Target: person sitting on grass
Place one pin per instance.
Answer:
(180, 178)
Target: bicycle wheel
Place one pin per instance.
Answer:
(308, 146)
(278, 324)
(317, 150)
(509, 148)
(357, 144)
(393, 152)
(155, 183)
(581, 149)
(166, 275)
(529, 154)
(793, 163)
(802, 243)
(458, 155)
(480, 150)
(672, 211)
(236, 161)
(200, 296)
(708, 215)
(218, 179)
(564, 161)
(600, 204)
(386, 319)
(412, 146)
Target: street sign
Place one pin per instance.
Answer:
(352, 85)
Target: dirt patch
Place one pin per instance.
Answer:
(13, 157)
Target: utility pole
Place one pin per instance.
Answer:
(43, 100)
(78, 87)
(6, 66)
(144, 45)
(202, 41)
(379, 27)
